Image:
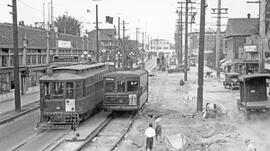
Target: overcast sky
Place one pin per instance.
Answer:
(156, 17)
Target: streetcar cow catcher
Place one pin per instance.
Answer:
(70, 94)
(125, 90)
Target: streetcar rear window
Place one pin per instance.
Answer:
(121, 86)
(58, 90)
(109, 85)
(132, 86)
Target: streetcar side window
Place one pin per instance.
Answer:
(132, 86)
(121, 85)
(109, 85)
(69, 90)
(78, 89)
(47, 90)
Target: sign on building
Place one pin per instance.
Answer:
(64, 44)
(65, 59)
(250, 48)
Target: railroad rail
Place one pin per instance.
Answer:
(111, 134)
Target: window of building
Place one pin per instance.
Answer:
(34, 59)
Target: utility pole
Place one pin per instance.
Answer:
(181, 35)
(263, 43)
(186, 41)
(97, 43)
(52, 19)
(16, 57)
(43, 9)
(124, 51)
(201, 58)
(218, 37)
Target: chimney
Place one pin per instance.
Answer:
(248, 15)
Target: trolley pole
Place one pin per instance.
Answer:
(97, 43)
(201, 58)
(16, 57)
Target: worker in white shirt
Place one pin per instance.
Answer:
(250, 147)
(150, 134)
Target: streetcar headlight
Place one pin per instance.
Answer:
(58, 107)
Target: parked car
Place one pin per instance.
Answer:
(231, 80)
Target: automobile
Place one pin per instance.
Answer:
(231, 80)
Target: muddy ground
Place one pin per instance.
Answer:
(176, 106)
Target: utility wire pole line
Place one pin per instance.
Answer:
(201, 58)
(16, 57)
(186, 41)
(263, 43)
(97, 43)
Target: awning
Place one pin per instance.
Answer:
(227, 62)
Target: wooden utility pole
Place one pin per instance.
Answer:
(201, 58)
(52, 18)
(97, 41)
(16, 57)
(262, 44)
(218, 39)
(186, 41)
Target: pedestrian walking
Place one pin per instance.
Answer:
(250, 147)
(150, 134)
(158, 129)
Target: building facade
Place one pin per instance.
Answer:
(237, 37)
(209, 46)
(37, 49)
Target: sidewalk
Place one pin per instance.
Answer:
(8, 103)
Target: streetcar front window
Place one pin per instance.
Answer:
(121, 85)
(132, 86)
(109, 85)
(69, 90)
(47, 90)
(58, 90)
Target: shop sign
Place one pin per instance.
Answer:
(64, 44)
(250, 48)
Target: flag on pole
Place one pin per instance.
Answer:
(109, 19)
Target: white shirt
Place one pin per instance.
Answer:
(250, 147)
(150, 132)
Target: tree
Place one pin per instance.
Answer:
(68, 25)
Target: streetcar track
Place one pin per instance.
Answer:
(118, 137)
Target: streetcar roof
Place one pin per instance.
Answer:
(79, 67)
(126, 73)
(252, 76)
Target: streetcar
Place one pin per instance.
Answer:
(125, 90)
(70, 94)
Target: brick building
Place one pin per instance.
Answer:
(37, 49)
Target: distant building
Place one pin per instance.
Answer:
(209, 46)
(107, 42)
(237, 38)
(163, 46)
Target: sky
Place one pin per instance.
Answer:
(155, 17)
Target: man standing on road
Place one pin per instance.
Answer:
(250, 147)
(150, 134)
